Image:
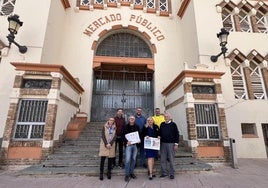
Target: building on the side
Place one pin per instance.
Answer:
(86, 58)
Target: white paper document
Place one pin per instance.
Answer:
(133, 137)
(152, 143)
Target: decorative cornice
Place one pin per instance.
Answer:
(98, 60)
(183, 8)
(191, 74)
(49, 68)
(66, 4)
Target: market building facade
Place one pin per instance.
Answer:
(86, 58)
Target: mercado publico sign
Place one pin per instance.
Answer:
(96, 24)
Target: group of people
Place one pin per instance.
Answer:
(113, 138)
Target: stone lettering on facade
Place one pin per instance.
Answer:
(117, 17)
(100, 22)
(148, 25)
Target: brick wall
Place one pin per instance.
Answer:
(211, 151)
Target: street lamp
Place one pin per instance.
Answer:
(223, 36)
(13, 28)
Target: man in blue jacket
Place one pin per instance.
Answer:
(140, 120)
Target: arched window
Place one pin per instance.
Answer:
(124, 45)
(256, 76)
(244, 16)
(238, 77)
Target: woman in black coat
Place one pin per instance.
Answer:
(151, 130)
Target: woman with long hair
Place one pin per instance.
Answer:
(151, 130)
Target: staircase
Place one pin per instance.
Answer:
(80, 157)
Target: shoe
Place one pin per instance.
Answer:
(144, 166)
(133, 176)
(120, 165)
(101, 177)
(109, 175)
(127, 178)
(150, 178)
(152, 175)
(171, 177)
(163, 176)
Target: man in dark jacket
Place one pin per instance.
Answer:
(120, 123)
(169, 134)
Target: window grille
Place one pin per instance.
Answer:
(36, 84)
(85, 2)
(203, 89)
(150, 4)
(256, 80)
(244, 21)
(238, 80)
(124, 45)
(261, 22)
(138, 2)
(98, 2)
(31, 119)
(228, 20)
(163, 5)
(206, 117)
(248, 129)
(7, 7)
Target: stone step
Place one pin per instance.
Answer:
(92, 162)
(82, 151)
(80, 157)
(80, 142)
(184, 165)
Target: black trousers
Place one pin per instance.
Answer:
(119, 145)
(110, 160)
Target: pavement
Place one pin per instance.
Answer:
(251, 173)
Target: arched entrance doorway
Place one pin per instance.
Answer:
(123, 76)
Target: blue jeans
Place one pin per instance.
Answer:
(131, 154)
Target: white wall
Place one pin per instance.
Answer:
(209, 23)
(189, 36)
(54, 33)
(178, 112)
(31, 34)
(250, 111)
(77, 56)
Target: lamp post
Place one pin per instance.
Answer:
(13, 28)
(222, 36)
